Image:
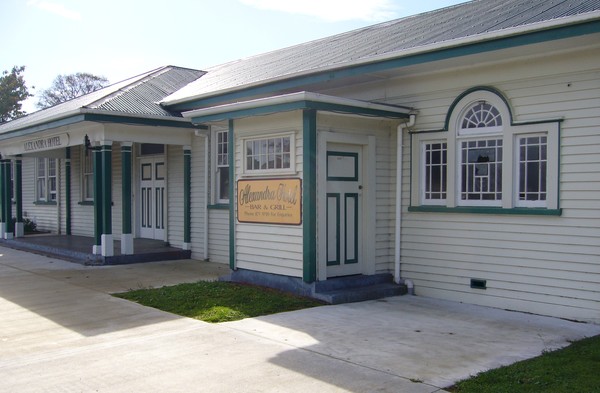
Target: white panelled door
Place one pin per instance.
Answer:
(344, 210)
(152, 195)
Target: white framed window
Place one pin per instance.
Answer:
(87, 173)
(435, 174)
(532, 171)
(46, 179)
(490, 160)
(221, 165)
(272, 154)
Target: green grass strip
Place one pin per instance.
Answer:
(575, 368)
(218, 301)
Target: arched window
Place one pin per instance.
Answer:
(480, 148)
(483, 158)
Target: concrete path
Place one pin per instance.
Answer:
(60, 331)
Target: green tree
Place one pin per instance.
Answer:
(67, 87)
(13, 92)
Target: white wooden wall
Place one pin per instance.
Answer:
(545, 265)
(262, 247)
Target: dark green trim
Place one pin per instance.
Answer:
(44, 203)
(218, 206)
(558, 163)
(309, 195)
(85, 203)
(6, 205)
(355, 197)
(337, 229)
(97, 196)
(528, 211)
(126, 188)
(101, 118)
(231, 162)
(42, 127)
(187, 179)
(343, 154)
(106, 151)
(10, 225)
(298, 105)
(404, 61)
(488, 89)
(68, 191)
(19, 189)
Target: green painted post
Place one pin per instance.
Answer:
(67, 192)
(97, 197)
(19, 188)
(232, 199)
(10, 227)
(2, 197)
(187, 178)
(106, 152)
(309, 195)
(126, 186)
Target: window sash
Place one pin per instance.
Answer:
(46, 179)
(88, 174)
(273, 154)
(434, 184)
(221, 184)
(531, 170)
(480, 172)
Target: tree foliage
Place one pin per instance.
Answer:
(67, 87)
(13, 92)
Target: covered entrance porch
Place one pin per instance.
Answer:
(78, 249)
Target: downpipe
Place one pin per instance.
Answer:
(399, 146)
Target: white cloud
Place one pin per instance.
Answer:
(332, 10)
(55, 8)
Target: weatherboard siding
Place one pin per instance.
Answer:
(218, 235)
(269, 248)
(174, 161)
(45, 216)
(546, 265)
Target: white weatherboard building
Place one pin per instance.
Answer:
(456, 151)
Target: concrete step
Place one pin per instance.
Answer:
(359, 294)
(356, 281)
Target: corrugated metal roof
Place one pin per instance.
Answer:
(139, 95)
(390, 38)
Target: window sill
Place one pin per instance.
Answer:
(86, 203)
(44, 203)
(526, 211)
(218, 206)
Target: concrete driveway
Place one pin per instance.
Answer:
(60, 331)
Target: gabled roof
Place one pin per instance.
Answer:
(424, 32)
(138, 96)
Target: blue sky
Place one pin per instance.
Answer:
(123, 38)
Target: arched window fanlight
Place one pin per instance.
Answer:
(481, 115)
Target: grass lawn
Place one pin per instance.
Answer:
(218, 301)
(569, 370)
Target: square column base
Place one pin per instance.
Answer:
(186, 246)
(96, 249)
(108, 246)
(127, 244)
(19, 229)
(2, 230)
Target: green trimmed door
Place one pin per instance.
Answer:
(152, 196)
(344, 209)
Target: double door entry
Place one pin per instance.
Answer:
(152, 197)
